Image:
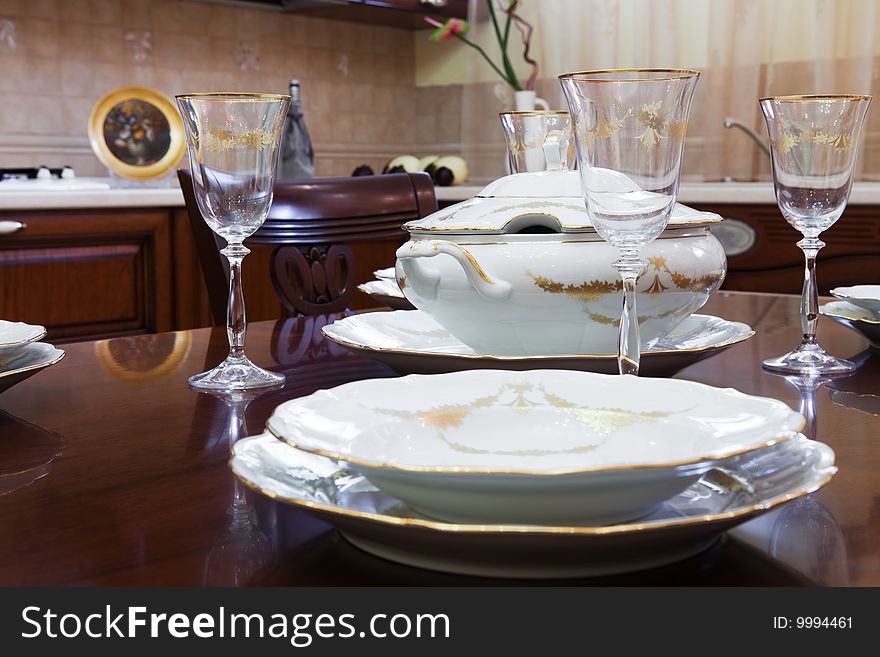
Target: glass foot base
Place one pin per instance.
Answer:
(809, 359)
(235, 374)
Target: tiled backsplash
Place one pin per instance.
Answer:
(59, 56)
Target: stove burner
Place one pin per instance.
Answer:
(37, 173)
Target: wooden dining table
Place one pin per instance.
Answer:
(114, 472)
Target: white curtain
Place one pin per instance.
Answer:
(746, 49)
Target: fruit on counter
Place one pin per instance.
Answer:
(426, 162)
(363, 170)
(402, 164)
(448, 171)
(444, 171)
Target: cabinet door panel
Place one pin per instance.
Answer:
(85, 274)
(773, 262)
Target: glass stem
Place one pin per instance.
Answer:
(810, 295)
(236, 317)
(629, 265)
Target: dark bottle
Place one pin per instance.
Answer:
(297, 157)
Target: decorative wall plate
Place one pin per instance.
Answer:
(136, 132)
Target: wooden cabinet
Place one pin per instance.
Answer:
(88, 273)
(765, 257)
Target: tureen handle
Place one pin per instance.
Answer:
(489, 287)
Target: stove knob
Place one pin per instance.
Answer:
(67, 173)
(43, 173)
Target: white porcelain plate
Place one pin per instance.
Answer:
(18, 365)
(680, 527)
(13, 335)
(537, 447)
(413, 343)
(386, 293)
(863, 296)
(859, 319)
(387, 274)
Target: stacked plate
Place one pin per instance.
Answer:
(385, 291)
(414, 343)
(543, 472)
(858, 309)
(21, 355)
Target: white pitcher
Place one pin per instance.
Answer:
(527, 101)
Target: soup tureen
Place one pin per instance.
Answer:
(519, 270)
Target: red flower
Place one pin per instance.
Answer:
(447, 31)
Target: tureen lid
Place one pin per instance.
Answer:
(551, 199)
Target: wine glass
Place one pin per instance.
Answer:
(538, 141)
(813, 144)
(233, 143)
(629, 129)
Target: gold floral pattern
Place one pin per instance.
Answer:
(655, 126)
(218, 139)
(592, 291)
(587, 291)
(522, 397)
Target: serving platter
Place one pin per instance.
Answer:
(18, 365)
(538, 447)
(413, 343)
(14, 335)
(386, 293)
(681, 527)
(858, 319)
(863, 296)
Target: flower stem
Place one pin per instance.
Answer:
(502, 42)
(485, 56)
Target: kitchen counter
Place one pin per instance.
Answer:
(867, 193)
(114, 197)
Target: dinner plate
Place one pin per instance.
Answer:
(682, 526)
(536, 447)
(22, 363)
(386, 293)
(413, 343)
(860, 320)
(13, 335)
(863, 296)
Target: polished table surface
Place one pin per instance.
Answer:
(114, 472)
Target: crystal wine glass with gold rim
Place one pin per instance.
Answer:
(233, 144)
(813, 144)
(629, 129)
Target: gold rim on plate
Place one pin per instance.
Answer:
(158, 100)
(631, 527)
(840, 314)
(556, 472)
(34, 367)
(842, 297)
(5, 345)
